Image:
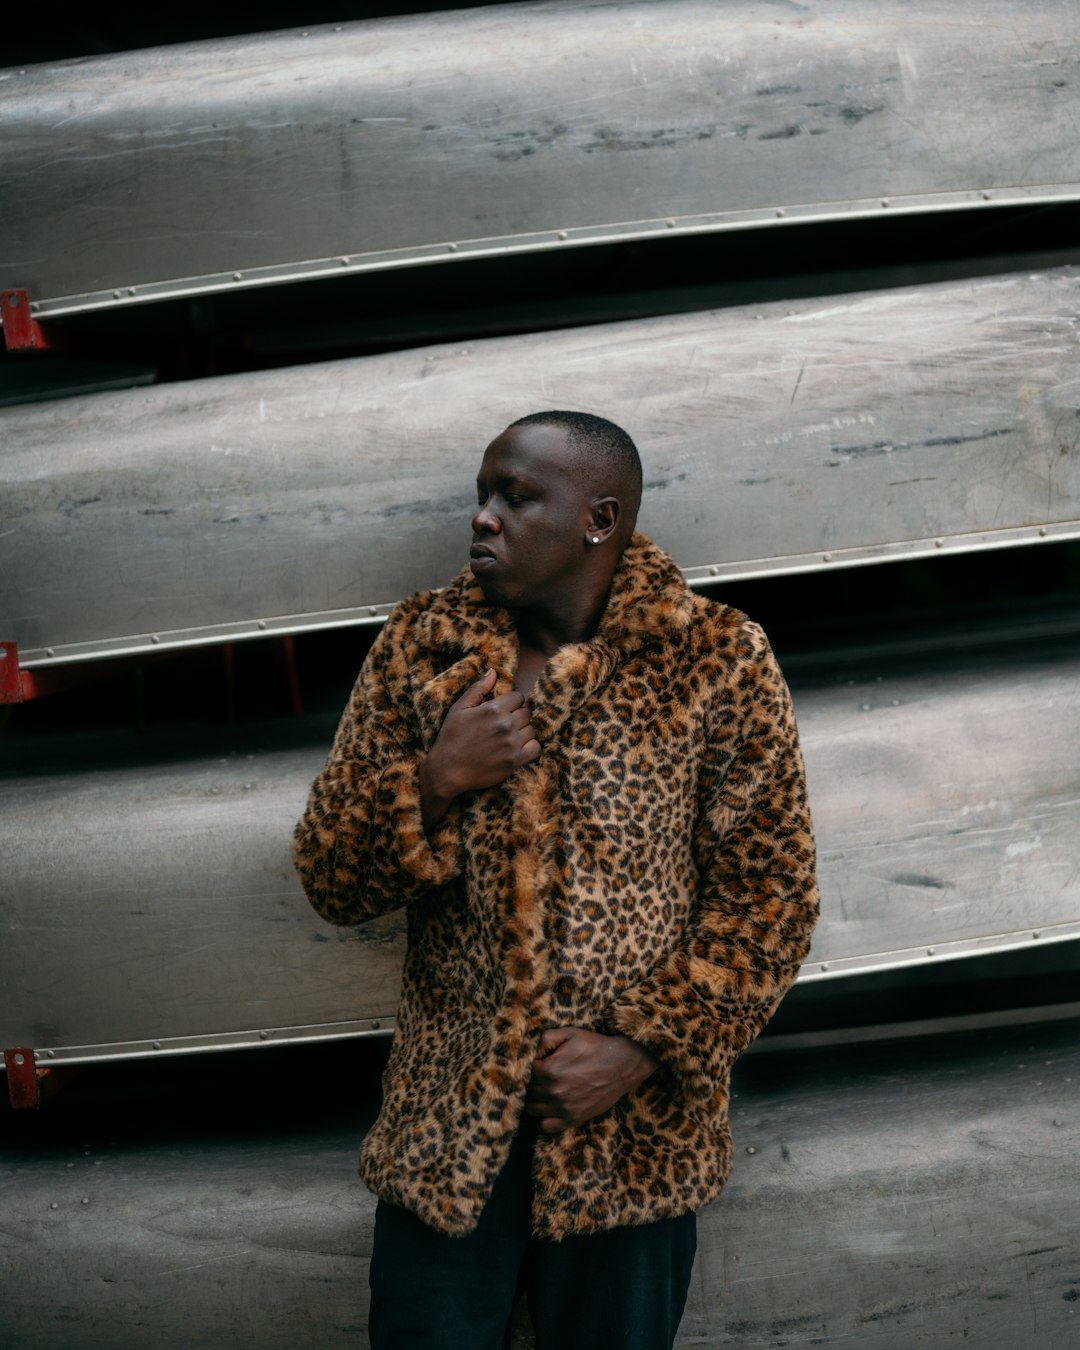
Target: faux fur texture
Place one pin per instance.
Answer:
(651, 874)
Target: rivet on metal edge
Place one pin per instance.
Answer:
(985, 196)
(376, 1024)
(264, 1035)
(154, 638)
(34, 306)
(451, 248)
(824, 965)
(261, 623)
(1037, 933)
(884, 201)
(714, 571)
(20, 1059)
(930, 951)
(85, 1200)
(1042, 531)
(237, 276)
(561, 234)
(866, 707)
(54, 1205)
(116, 295)
(373, 609)
(131, 290)
(939, 543)
(826, 557)
(344, 261)
(49, 651)
(751, 1149)
(155, 1045)
(780, 212)
(669, 223)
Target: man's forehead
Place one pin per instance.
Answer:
(536, 450)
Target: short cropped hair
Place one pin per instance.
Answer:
(605, 453)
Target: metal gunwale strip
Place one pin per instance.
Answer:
(813, 972)
(228, 1040)
(539, 240)
(140, 644)
(932, 1026)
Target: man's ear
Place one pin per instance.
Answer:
(602, 520)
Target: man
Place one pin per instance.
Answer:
(584, 784)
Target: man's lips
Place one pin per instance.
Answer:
(481, 555)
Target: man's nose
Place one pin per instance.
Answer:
(486, 521)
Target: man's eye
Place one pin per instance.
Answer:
(512, 499)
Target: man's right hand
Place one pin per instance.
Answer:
(482, 741)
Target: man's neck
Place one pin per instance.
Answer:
(545, 631)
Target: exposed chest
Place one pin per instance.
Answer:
(530, 663)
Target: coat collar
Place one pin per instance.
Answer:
(459, 636)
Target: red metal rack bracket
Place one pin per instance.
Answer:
(20, 686)
(28, 1086)
(11, 684)
(22, 332)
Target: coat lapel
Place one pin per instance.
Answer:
(649, 601)
(460, 636)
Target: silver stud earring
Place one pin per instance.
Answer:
(596, 538)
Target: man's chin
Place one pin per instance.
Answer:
(493, 593)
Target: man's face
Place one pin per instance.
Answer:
(529, 530)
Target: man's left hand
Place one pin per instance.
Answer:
(578, 1074)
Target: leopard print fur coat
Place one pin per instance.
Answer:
(652, 873)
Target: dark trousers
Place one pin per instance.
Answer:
(624, 1289)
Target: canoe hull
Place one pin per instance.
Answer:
(439, 137)
(775, 439)
(151, 906)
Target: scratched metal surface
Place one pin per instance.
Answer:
(787, 437)
(909, 1195)
(431, 137)
(914, 1194)
(154, 900)
(945, 792)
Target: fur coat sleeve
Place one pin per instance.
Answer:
(360, 847)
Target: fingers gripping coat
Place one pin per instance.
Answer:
(651, 874)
